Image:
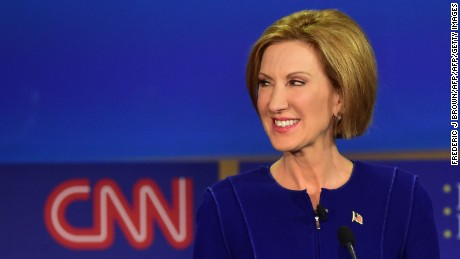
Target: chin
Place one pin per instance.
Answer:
(284, 147)
(289, 145)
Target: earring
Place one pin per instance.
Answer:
(337, 117)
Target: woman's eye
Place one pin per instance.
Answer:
(296, 83)
(263, 83)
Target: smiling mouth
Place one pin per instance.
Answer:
(285, 123)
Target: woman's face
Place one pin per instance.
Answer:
(296, 101)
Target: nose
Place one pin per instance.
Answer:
(278, 100)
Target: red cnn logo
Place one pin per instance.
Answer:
(110, 205)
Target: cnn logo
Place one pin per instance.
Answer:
(149, 206)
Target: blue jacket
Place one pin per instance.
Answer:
(251, 216)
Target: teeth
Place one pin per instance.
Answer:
(285, 123)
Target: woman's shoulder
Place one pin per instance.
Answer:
(250, 177)
(402, 187)
(379, 172)
(408, 210)
(226, 193)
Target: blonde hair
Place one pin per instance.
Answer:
(346, 55)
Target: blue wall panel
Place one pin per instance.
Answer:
(85, 80)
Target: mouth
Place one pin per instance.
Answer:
(284, 123)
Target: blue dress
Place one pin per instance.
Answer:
(251, 216)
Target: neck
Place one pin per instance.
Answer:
(325, 168)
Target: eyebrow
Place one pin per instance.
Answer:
(289, 75)
(298, 72)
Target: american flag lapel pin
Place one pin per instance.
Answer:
(356, 218)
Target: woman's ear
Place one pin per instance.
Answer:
(338, 102)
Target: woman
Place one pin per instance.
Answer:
(312, 78)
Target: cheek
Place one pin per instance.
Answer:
(259, 106)
(314, 107)
(262, 102)
(305, 103)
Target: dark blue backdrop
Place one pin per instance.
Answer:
(111, 80)
(25, 190)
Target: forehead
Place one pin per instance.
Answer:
(290, 56)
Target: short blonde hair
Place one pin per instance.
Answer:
(346, 55)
